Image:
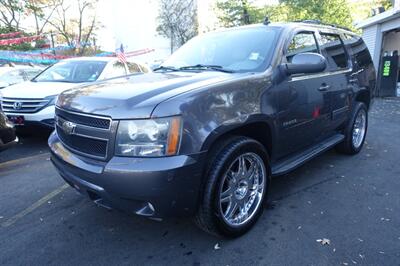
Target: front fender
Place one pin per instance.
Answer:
(209, 112)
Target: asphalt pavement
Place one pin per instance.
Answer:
(335, 210)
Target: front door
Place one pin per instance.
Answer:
(303, 102)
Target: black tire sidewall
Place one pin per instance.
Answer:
(245, 146)
(359, 107)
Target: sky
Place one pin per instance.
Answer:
(132, 23)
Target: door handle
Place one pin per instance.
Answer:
(324, 87)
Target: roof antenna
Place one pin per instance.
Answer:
(266, 21)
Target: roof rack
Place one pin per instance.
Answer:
(318, 22)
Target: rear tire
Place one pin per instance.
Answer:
(235, 190)
(356, 131)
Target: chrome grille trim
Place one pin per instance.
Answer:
(99, 136)
(27, 105)
(59, 112)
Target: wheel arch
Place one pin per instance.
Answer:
(258, 128)
(364, 96)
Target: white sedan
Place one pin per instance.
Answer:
(32, 102)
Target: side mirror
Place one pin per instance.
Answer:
(306, 63)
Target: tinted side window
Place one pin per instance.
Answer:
(335, 51)
(301, 43)
(359, 50)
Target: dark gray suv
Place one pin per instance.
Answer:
(204, 133)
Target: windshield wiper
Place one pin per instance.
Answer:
(166, 68)
(205, 67)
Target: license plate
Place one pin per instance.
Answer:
(18, 120)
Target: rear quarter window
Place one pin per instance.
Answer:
(334, 51)
(359, 50)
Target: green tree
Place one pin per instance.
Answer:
(241, 12)
(233, 13)
(17, 47)
(327, 11)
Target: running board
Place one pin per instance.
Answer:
(286, 165)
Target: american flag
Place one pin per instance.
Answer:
(121, 54)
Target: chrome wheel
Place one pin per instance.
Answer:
(242, 189)
(359, 128)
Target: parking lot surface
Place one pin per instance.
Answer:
(351, 203)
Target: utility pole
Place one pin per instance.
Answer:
(172, 40)
(52, 42)
(94, 45)
(246, 16)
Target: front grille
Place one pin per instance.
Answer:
(82, 144)
(19, 105)
(84, 120)
(85, 134)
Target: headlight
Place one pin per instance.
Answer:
(149, 137)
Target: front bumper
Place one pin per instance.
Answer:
(45, 117)
(152, 187)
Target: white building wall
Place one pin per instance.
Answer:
(373, 39)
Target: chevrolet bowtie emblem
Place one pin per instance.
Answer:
(68, 127)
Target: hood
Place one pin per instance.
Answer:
(36, 90)
(135, 96)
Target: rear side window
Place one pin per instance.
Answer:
(301, 43)
(359, 50)
(334, 49)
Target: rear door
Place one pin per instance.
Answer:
(340, 89)
(363, 74)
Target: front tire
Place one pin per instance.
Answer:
(356, 131)
(236, 186)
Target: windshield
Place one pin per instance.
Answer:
(11, 77)
(73, 71)
(243, 50)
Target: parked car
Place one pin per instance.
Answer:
(204, 133)
(32, 102)
(7, 133)
(17, 74)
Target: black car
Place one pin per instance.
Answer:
(204, 133)
(7, 132)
